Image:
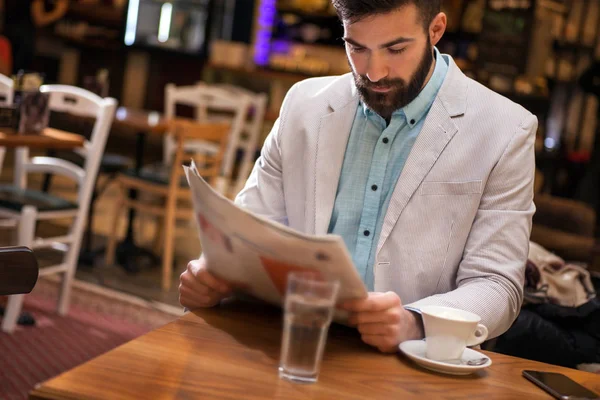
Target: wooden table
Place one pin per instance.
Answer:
(232, 352)
(49, 138)
(140, 120)
(142, 123)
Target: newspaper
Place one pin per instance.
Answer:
(255, 254)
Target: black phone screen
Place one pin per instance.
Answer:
(559, 385)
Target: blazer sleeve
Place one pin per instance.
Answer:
(263, 193)
(490, 276)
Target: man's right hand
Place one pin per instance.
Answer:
(198, 288)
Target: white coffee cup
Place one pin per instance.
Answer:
(449, 330)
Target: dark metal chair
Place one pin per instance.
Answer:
(18, 270)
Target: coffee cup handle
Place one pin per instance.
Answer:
(479, 336)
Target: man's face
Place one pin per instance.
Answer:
(390, 56)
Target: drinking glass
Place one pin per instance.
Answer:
(308, 309)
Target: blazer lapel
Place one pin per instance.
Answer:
(436, 133)
(334, 131)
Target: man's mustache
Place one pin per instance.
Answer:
(384, 83)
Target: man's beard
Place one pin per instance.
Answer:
(400, 94)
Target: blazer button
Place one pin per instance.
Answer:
(374, 187)
(385, 140)
(412, 121)
(366, 233)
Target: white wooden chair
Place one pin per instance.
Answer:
(251, 133)
(27, 206)
(6, 99)
(211, 103)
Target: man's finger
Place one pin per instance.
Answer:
(379, 330)
(187, 279)
(389, 316)
(192, 299)
(213, 282)
(371, 340)
(375, 302)
(189, 298)
(385, 344)
(195, 285)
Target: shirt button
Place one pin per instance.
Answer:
(385, 140)
(412, 121)
(374, 187)
(366, 233)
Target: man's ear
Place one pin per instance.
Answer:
(437, 27)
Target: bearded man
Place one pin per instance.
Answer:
(426, 175)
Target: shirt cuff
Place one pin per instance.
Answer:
(419, 317)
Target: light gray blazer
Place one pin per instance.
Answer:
(456, 232)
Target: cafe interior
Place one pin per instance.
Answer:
(97, 219)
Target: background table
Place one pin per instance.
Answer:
(232, 352)
(141, 122)
(49, 138)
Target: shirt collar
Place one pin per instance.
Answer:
(418, 108)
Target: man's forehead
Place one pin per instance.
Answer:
(382, 35)
(401, 22)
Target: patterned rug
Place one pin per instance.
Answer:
(98, 321)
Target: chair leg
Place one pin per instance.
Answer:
(25, 236)
(64, 298)
(2, 154)
(145, 220)
(169, 232)
(12, 312)
(72, 256)
(111, 246)
(159, 235)
(90, 221)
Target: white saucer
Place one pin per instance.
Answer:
(415, 350)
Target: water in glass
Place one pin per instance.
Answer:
(306, 322)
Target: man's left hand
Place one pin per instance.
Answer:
(382, 321)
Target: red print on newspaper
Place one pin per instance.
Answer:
(279, 270)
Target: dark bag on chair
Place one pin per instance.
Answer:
(549, 280)
(559, 322)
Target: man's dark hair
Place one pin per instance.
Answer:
(355, 10)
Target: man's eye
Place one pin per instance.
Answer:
(355, 49)
(397, 51)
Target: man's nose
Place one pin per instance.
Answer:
(378, 68)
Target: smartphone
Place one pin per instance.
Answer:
(18, 270)
(560, 386)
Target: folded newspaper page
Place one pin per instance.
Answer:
(255, 254)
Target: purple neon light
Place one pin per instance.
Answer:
(266, 20)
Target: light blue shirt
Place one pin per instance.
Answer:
(375, 156)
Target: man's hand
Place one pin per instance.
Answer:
(198, 288)
(382, 321)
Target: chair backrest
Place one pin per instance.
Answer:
(252, 132)
(6, 90)
(206, 101)
(208, 165)
(82, 103)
